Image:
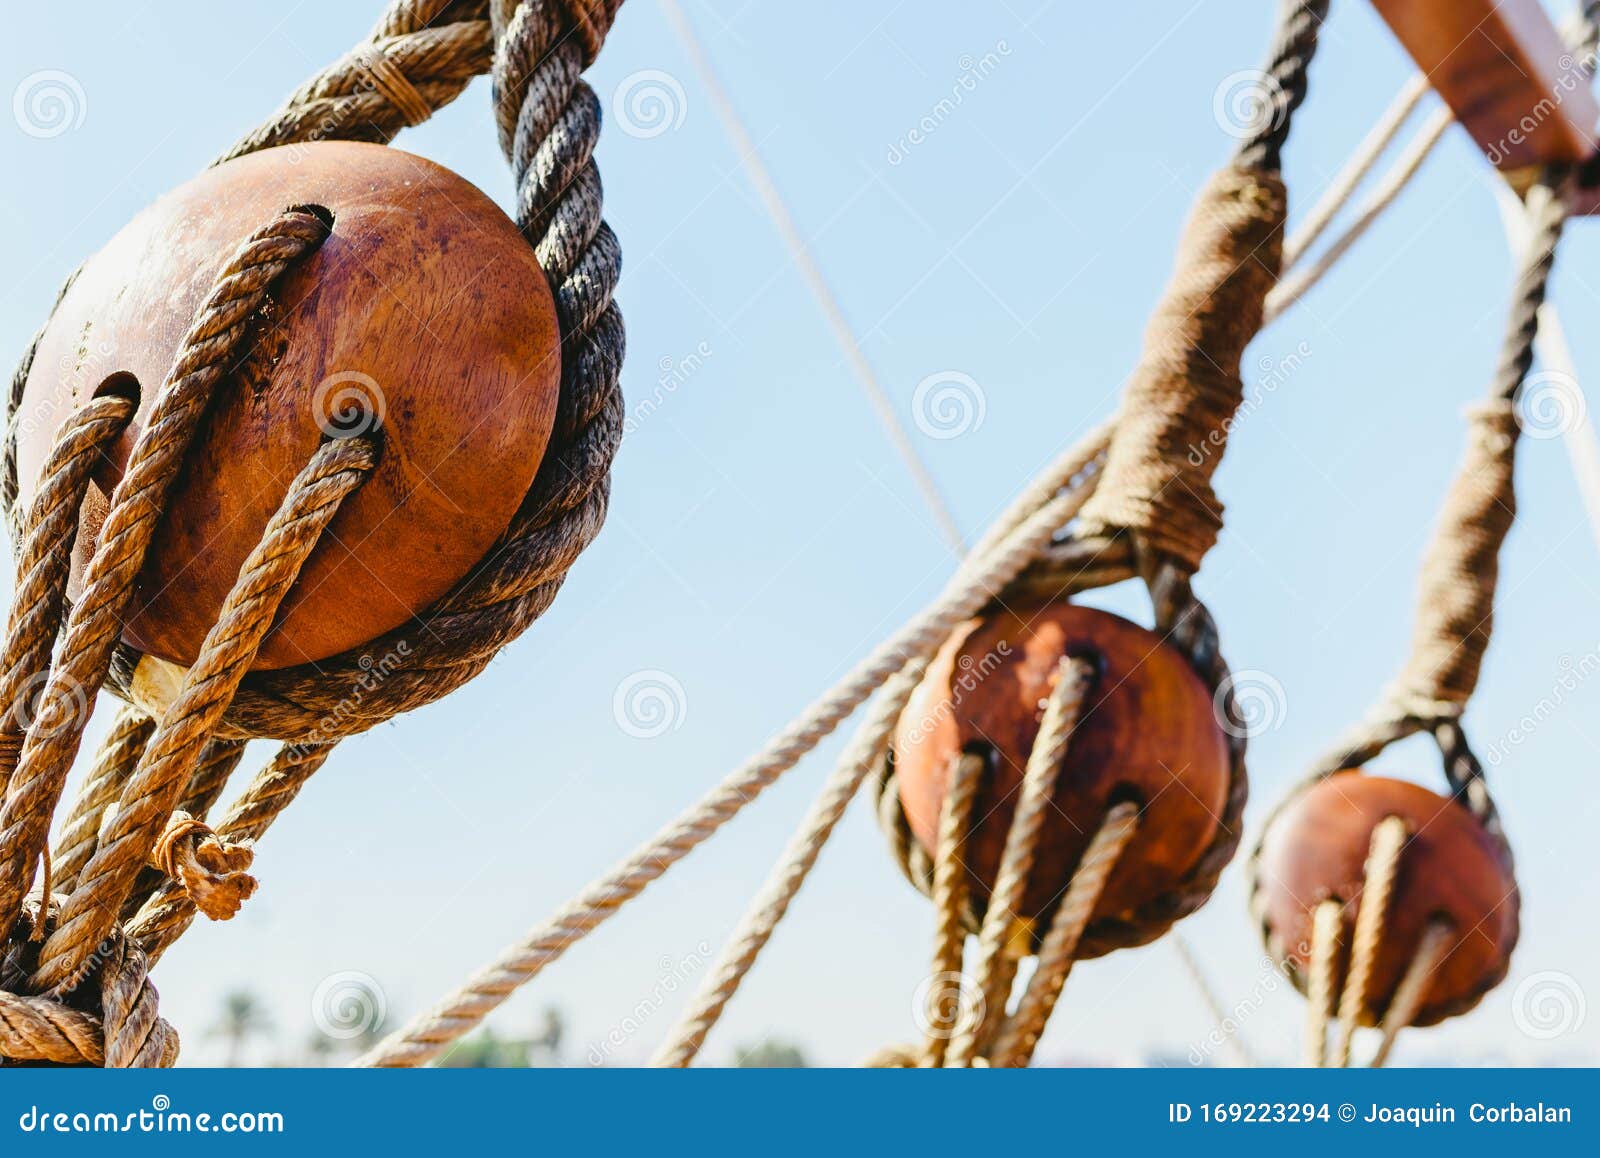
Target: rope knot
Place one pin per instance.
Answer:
(1183, 395)
(210, 869)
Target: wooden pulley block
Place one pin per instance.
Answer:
(424, 315)
(1146, 732)
(1451, 870)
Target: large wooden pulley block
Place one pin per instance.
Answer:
(423, 314)
(1451, 870)
(1146, 732)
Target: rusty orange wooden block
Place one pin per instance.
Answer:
(1505, 72)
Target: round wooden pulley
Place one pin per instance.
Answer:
(1451, 870)
(423, 316)
(1146, 732)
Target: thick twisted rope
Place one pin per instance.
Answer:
(124, 1028)
(1387, 844)
(1321, 988)
(1074, 677)
(418, 58)
(113, 766)
(44, 563)
(950, 887)
(1020, 1034)
(205, 356)
(1389, 838)
(314, 497)
(1412, 991)
(549, 122)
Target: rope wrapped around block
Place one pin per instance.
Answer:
(549, 123)
(138, 858)
(1181, 398)
(1453, 625)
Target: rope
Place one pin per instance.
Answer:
(207, 353)
(113, 766)
(968, 590)
(1233, 1039)
(1297, 284)
(418, 59)
(1074, 677)
(1413, 987)
(44, 564)
(1020, 1035)
(950, 901)
(864, 753)
(1326, 923)
(124, 1029)
(549, 123)
(1456, 603)
(334, 472)
(1383, 863)
(821, 292)
(1186, 387)
(1285, 81)
(211, 870)
(1355, 169)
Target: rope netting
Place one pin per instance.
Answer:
(138, 855)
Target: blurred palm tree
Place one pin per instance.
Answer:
(243, 1018)
(771, 1054)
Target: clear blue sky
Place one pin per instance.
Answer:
(763, 535)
